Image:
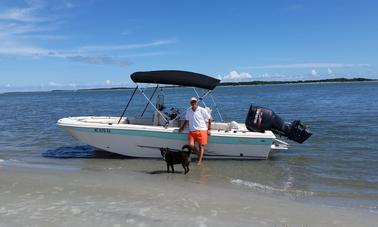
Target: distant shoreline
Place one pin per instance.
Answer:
(334, 80)
(226, 84)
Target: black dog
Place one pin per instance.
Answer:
(173, 157)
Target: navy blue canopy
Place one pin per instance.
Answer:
(176, 77)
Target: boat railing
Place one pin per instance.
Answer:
(101, 120)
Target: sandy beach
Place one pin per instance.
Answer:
(70, 197)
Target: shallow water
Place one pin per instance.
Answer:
(121, 197)
(338, 165)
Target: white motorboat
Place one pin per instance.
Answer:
(143, 137)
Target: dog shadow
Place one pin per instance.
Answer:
(161, 172)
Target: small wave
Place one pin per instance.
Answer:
(369, 207)
(267, 188)
(22, 164)
(289, 183)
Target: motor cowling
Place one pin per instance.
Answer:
(260, 119)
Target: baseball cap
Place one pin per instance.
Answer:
(193, 99)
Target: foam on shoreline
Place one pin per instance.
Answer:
(266, 188)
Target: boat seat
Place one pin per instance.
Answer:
(218, 126)
(158, 120)
(225, 126)
(173, 123)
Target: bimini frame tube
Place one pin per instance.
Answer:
(216, 107)
(201, 98)
(128, 103)
(149, 101)
(153, 93)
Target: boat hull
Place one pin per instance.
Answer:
(146, 141)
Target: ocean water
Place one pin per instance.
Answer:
(337, 166)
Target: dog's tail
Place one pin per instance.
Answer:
(187, 147)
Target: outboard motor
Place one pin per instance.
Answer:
(260, 119)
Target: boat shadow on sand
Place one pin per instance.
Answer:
(82, 151)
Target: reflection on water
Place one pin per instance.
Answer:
(82, 151)
(203, 174)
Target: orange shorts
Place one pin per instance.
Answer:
(199, 136)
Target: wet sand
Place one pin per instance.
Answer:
(71, 197)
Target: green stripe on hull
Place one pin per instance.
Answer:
(177, 136)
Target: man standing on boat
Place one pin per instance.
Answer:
(199, 121)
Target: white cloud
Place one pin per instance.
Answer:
(22, 29)
(11, 29)
(329, 71)
(53, 84)
(235, 76)
(264, 75)
(149, 54)
(108, 82)
(309, 65)
(99, 60)
(314, 72)
(22, 50)
(123, 46)
(20, 26)
(68, 4)
(8, 85)
(24, 14)
(45, 37)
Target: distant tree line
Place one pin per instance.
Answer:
(257, 82)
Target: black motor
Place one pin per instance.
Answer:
(260, 119)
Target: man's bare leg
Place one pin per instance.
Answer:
(191, 144)
(200, 154)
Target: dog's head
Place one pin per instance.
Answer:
(188, 149)
(163, 151)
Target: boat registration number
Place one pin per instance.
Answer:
(102, 130)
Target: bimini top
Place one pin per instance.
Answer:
(176, 77)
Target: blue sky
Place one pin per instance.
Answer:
(65, 44)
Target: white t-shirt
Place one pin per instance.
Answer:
(197, 119)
